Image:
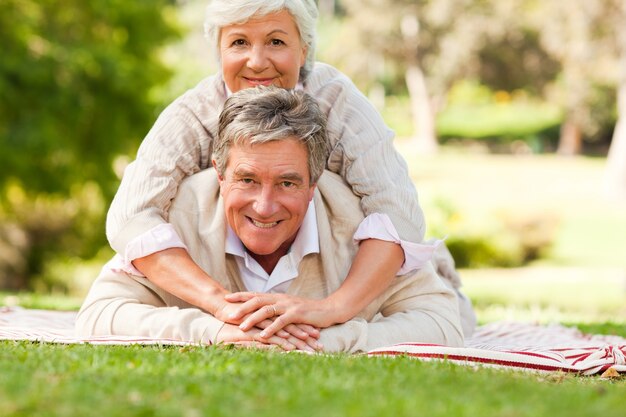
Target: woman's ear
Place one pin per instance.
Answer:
(303, 56)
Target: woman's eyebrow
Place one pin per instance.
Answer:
(278, 31)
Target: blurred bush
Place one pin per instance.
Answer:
(38, 230)
(507, 238)
(75, 87)
(77, 90)
(500, 120)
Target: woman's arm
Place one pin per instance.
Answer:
(174, 271)
(178, 145)
(363, 153)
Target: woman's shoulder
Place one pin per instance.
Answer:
(210, 90)
(201, 103)
(323, 76)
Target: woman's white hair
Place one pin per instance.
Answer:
(222, 13)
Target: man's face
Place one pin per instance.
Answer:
(266, 191)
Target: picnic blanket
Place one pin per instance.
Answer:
(514, 345)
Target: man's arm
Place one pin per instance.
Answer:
(416, 309)
(120, 305)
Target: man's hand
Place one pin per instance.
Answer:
(237, 312)
(233, 334)
(285, 311)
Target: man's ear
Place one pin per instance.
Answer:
(220, 178)
(312, 191)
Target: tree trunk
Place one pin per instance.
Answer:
(570, 141)
(615, 175)
(326, 7)
(421, 111)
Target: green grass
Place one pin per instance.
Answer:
(83, 380)
(51, 380)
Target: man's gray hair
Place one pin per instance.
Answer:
(220, 13)
(264, 114)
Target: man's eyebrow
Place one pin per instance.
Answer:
(239, 172)
(292, 176)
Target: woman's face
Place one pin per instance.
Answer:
(262, 51)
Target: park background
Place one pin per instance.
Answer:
(505, 111)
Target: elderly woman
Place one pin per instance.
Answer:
(269, 42)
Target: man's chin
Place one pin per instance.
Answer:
(260, 248)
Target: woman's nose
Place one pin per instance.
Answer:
(257, 59)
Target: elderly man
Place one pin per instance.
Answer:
(283, 228)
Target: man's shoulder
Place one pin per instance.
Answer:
(197, 192)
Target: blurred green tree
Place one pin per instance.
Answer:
(615, 179)
(75, 84)
(76, 91)
(432, 43)
(581, 36)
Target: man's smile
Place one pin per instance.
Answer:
(261, 224)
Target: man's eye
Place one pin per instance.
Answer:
(247, 180)
(288, 184)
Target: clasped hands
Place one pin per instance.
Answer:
(266, 320)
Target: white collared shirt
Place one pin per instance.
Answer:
(254, 276)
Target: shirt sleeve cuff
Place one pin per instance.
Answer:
(158, 238)
(379, 226)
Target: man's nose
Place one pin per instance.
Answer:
(257, 58)
(265, 202)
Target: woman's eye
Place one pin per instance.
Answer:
(277, 42)
(238, 42)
